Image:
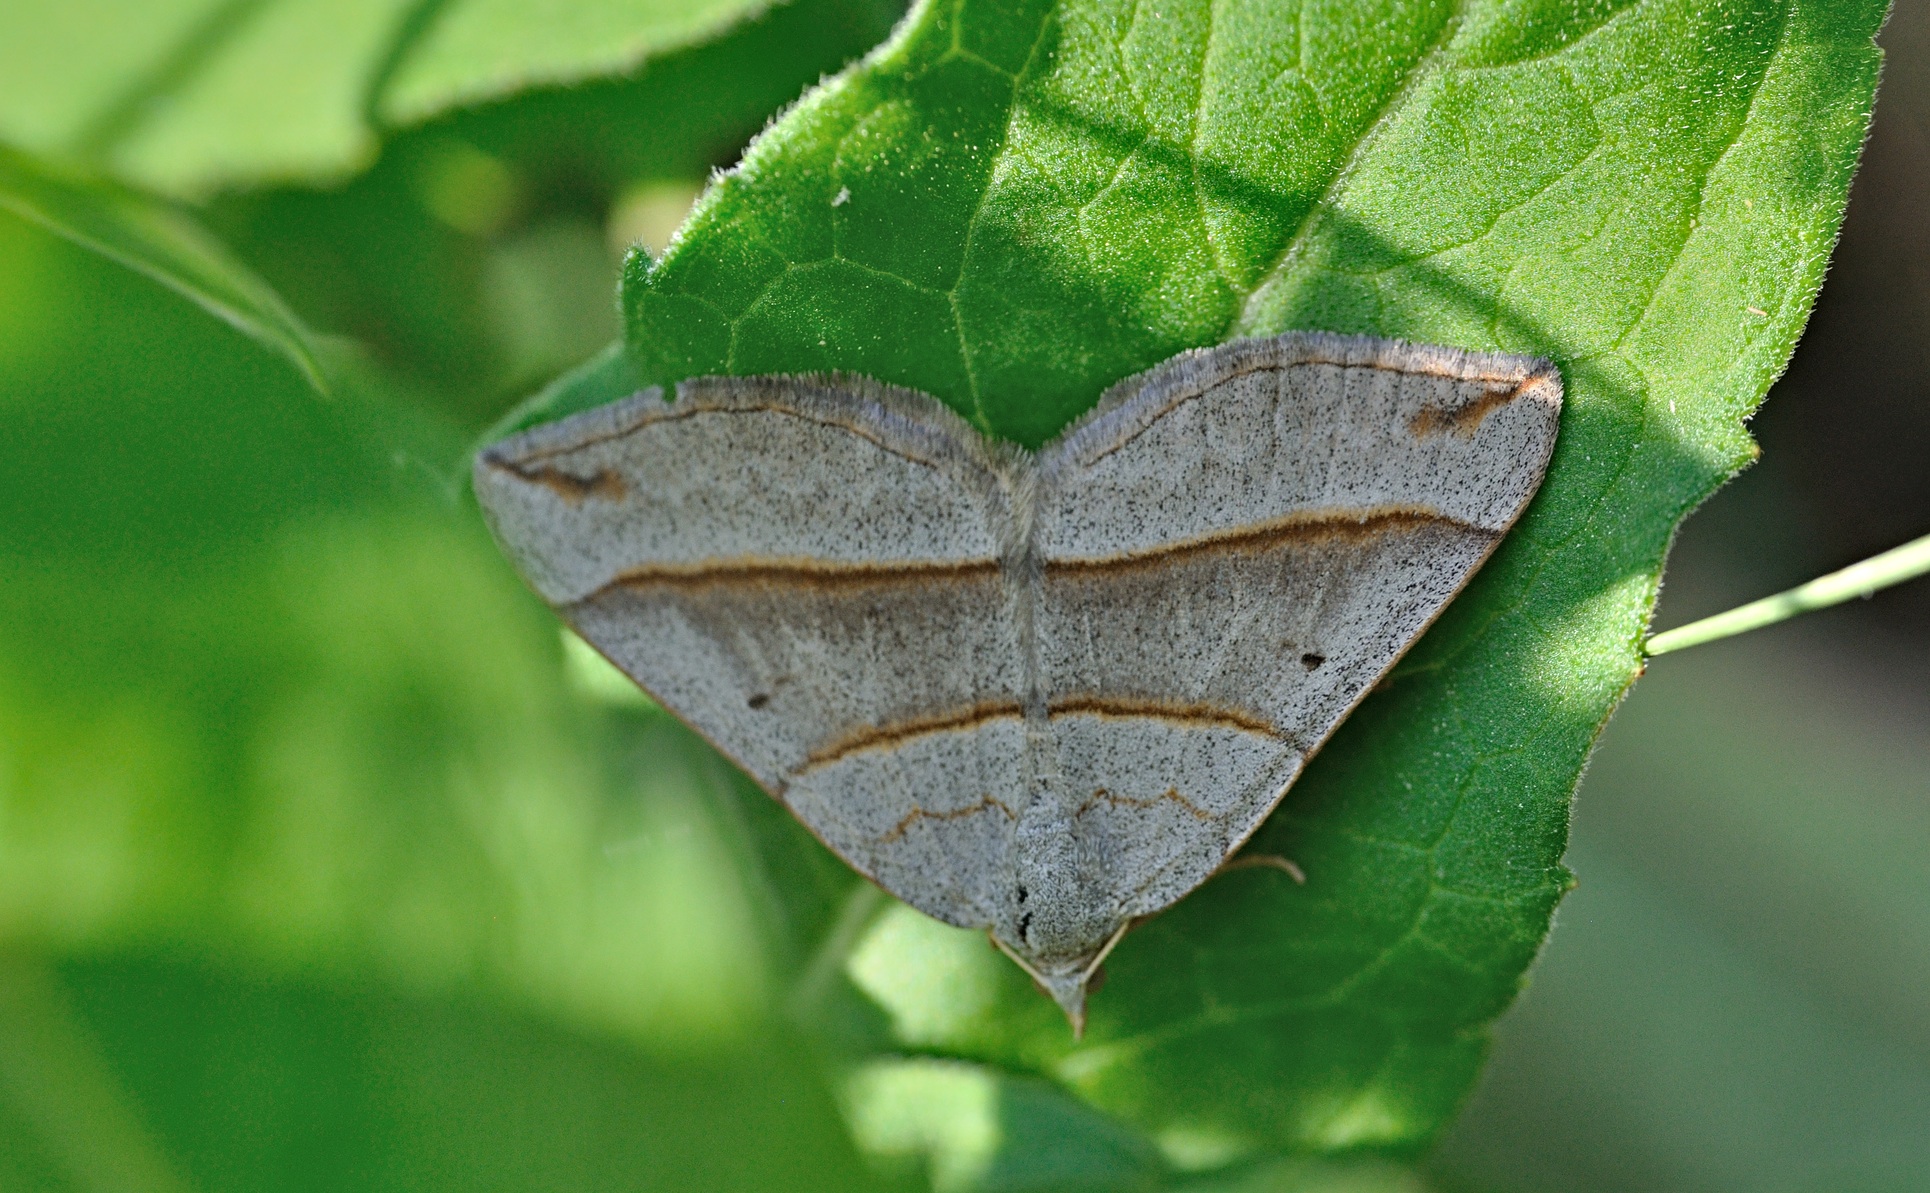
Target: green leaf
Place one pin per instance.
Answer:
(156, 1075)
(202, 94)
(194, 96)
(609, 376)
(156, 240)
(971, 1127)
(481, 49)
(430, 255)
(313, 872)
(1013, 205)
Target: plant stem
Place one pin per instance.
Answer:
(1894, 566)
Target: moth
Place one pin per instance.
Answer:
(1039, 693)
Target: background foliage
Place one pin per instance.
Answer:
(320, 865)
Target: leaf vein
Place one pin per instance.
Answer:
(1423, 69)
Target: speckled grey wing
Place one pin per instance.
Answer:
(1234, 547)
(801, 569)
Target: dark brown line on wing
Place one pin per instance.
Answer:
(1299, 529)
(917, 814)
(1462, 422)
(604, 483)
(872, 737)
(1518, 386)
(1172, 796)
(671, 413)
(1308, 528)
(1519, 380)
(896, 733)
(797, 573)
(1198, 716)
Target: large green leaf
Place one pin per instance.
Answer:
(189, 96)
(1014, 204)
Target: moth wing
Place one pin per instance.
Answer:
(1236, 546)
(806, 571)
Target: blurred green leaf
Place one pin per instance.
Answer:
(274, 711)
(200, 94)
(482, 49)
(1311, 1175)
(153, 238)
(158, 1075)
(1012, 206)
(66, 1121)
(194, 96)
(972, 1127)
(1733, 1001)
(479, 255)
(609, 376)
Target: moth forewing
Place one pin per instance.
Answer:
(1041, 695)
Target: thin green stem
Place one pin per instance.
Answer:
(1895, 566)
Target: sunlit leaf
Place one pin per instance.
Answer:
(1013, 205)
(481, 49)
(192, 96)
